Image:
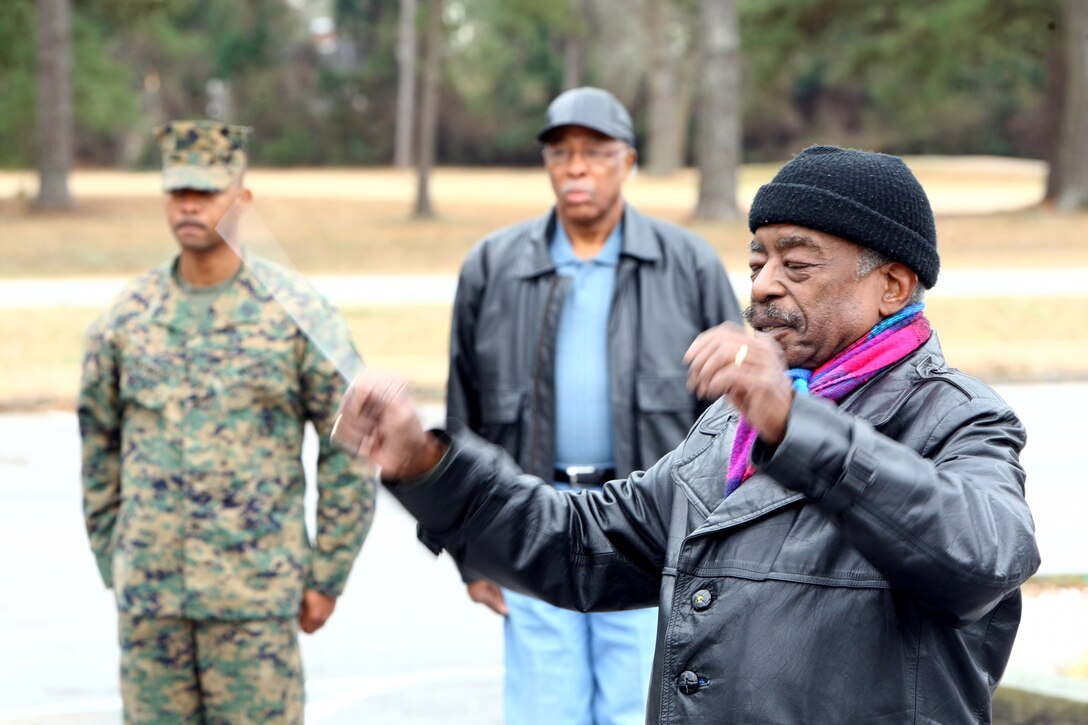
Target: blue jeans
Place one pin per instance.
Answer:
(570, 668)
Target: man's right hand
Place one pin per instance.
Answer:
(377, 421)
(489, 593)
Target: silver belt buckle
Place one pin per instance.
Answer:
(573, 472)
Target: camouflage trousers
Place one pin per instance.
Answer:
(216, 672)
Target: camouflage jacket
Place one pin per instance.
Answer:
(192, 434)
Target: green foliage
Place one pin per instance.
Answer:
(358, 98)
(17, 83)
(930, 76)
(106, 101)
(505, 66)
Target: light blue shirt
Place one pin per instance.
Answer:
(583, 402)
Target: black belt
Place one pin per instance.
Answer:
(583, 475)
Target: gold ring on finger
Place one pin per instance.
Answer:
(742, 352)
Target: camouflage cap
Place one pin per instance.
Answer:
(201, 155)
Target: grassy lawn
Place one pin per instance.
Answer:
(41, 358)
(997, 339)
(357, 221)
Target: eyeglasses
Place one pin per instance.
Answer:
(592, 155)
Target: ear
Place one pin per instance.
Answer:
(898, 282)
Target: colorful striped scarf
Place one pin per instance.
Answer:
(887, 343)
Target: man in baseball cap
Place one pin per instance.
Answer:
(545, 360)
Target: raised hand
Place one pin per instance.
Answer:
(751, 371)
(377, 422)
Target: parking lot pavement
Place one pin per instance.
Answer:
(405, 645)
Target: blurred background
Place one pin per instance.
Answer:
(390, 135)
(465, 82)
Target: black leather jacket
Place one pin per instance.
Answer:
(670, 286)
(868, 573)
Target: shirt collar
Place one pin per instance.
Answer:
(562, 253)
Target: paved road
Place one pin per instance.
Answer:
(404, 646)
(367, 290)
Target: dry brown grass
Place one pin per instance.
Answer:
(40, 357)
(358, 220)
(345, 221)
(43, 348)
(996, 339)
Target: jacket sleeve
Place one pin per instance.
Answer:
(462, 385)
(595, 551)
(346, 491)
(950, 525)
(99, 412)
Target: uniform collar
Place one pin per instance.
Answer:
(239, 304)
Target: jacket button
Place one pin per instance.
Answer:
(688, 682)
(701, 600)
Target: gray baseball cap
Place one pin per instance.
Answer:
(591, 108)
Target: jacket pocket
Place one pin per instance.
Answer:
(664, 394)
(664, 411)
(500, 406)
(500, 418)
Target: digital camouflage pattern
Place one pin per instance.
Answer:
(201, 155)
(230, 673)
(192, 433)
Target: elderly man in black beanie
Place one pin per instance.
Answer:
(840, 538)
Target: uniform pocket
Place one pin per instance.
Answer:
(146, 380)
(259, 382)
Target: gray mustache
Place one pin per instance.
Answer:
(770, 312)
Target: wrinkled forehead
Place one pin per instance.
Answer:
(780, 238)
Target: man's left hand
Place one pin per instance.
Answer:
(751, 371)
(315, 610)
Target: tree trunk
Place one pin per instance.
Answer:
(574, 48)
(1052, 111)
(54, 103)
(718, 133)
(407, 52)
(667, 117)
(428, 112)
(1073, 140)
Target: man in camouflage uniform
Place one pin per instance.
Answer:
(196, 387)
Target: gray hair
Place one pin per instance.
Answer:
(870, 259)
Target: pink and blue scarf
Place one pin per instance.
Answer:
(886, 344)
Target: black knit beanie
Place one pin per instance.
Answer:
(867, 198)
